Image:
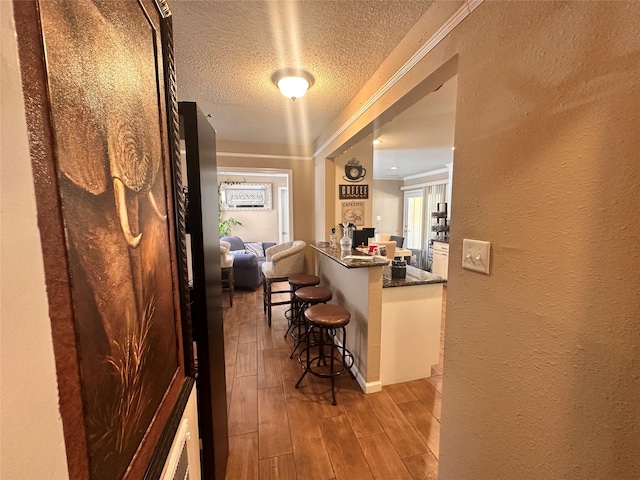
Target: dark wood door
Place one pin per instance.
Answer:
(206, 288)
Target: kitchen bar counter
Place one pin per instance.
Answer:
(394, 333)
(357, 259)
(354, 259)
(415, 276)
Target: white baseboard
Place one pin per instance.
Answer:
(367, 387)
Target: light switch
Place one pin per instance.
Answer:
(476, 255)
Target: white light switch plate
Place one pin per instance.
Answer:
(476, 255)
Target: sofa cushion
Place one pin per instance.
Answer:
(255, 248)
(246, 264)
(235, 242)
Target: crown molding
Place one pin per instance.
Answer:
(262, 155)
(426, 174)
(463, 12)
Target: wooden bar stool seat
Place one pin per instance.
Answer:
(300, 280)
(297, 281)
(304, 298)
(327, 319)
(314, 295)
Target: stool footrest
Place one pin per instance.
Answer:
(321, 360)
(318, 364)
(267, 292)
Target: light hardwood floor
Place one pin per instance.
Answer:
(279, 432)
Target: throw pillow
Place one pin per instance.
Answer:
(238, 251)
(255, 248)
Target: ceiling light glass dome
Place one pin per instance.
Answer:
(292, 82)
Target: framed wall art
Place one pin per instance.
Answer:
(100, 101)
(353, 212)
(245, 196)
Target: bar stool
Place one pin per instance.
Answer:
(296, 282)
(283, 260)
(228, 282)
(306, 297)
(326, 319)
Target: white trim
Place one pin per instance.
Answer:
(367, 387)
(180, 442)
(262, 155)
(256, 171)
(422, 185)
(430, 44)
(371, 387)
(426, 174)
(449, 188)
(281, 238)
(473, 4)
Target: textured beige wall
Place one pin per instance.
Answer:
(541, 357)
(30, 426)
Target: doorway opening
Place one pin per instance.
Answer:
(284, 230)
(413, 221)
(413, 152)
(261, 223)
(427, 222)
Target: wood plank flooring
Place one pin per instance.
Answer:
(278, 432)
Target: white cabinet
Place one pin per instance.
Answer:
(410, 334)
(440, 265)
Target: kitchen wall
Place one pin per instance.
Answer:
(541, 356)
(388, 203)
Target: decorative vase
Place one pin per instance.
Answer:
(345, 241)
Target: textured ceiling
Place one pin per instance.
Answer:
(226, 52)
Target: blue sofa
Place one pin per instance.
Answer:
(247, 267)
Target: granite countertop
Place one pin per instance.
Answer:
(415, 276)
(355, 259)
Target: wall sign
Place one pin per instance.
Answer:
(353, 212)
(354, 172)
(347, 191)
(246, 196)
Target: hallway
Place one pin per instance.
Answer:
(279, 432)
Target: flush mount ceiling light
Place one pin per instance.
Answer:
(377, 141)
(292, 82)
